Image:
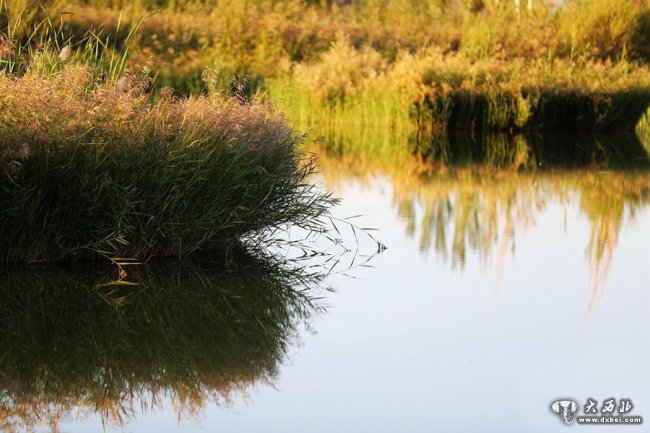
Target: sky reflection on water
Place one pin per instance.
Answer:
(417, 345)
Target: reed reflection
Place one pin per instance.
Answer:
(463, 195)
(73, 342)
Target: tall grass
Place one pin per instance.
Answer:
(265, 39)
(96, 168)
(438, 91)
(415, 152)
(44, 48)
(577, 68)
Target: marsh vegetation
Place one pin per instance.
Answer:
(205, 133)
(484, 64)
(91, 166)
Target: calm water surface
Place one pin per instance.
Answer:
(500, 291)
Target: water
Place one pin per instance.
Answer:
(501, 291)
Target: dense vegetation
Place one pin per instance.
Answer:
(97, 168)
(441, 64)
(97, 158)
(265, 38)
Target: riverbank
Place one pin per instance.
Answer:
(440, 92)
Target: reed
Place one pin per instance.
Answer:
(97, 168)
(265, 39)
(578, 68)
(535, 110)
(435, 91)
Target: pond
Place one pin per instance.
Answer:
(510, 280)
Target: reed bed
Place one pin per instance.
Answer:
(437, 91)
(413, 150)
(266, 39)
(95, 168)
(580, 66)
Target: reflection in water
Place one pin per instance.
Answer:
(72, 343)
(477, 195)
(609, 200)
(531, 151)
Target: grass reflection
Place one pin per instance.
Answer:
(465, 195)
(74, 343)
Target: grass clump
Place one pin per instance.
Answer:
(91, 167)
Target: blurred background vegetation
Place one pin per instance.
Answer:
(353, 39)
(502, 65)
